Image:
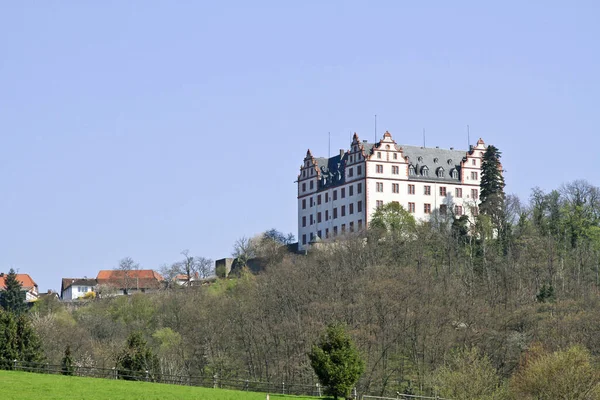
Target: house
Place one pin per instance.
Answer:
(28, 287)
(339, 194)
(182, 279)
(74, 288)
(128, 282)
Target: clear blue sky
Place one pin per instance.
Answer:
(142, 128)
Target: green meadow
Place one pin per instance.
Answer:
(24, 385)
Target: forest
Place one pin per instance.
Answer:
(503, 306)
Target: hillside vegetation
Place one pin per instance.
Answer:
(415, 301)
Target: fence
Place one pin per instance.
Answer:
(204, 381)
(400, 396)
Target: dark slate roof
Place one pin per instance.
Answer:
(427, 156)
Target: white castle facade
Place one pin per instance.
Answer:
(338, 195)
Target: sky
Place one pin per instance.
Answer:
(144, 128)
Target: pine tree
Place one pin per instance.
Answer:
(336, 362)
(12, 297)
(18, 341)
(492, 187)
(67, 362)
(136, 359)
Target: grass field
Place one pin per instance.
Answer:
(24, 385)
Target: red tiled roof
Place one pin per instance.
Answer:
(141, 278)
(25, 279)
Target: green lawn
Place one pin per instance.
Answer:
(24, 385)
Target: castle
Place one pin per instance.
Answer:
(338, 195)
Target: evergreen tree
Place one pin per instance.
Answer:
(336, 362)
(492, 187)
(18, 341)
(137, 358)
(67, 362)
(11, 297)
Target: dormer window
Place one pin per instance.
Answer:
(454, 173)
(449, 161)
(411, 170)
(425, 170)
(440, 172)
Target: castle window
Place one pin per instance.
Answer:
(474, 175)
(379, 154)
(474, 211)
(311, 202)
(351, 226)
(379, 168)
(312, 236)
(326, 215)
(351, 190)
(350, 172)
(443, 209)
(335, 231)
(327, 197)
(304, 239)
(311, 185)
(351, 209)
(458, 193)
(411, 207)
(474, 161)
(395, 169)
(379, 186)
(442, 190)
(427, 190)
(359, 188)
(327, 233)
(319, 200)
(359, 170)
(334, 195)
(395, 156)
(474, 194)
(343, 228)
(387, 146)
(343, 193)
(304, 187)
(304, 173)
(395, 188)
(319, 218)
(304, 204)
(427, 208)
(379, 203)
(319, 234)
(458, 210)
(335, 213)
(359, 206)
(304, 221)
(411, 189)
(360, 224)
(312, 221)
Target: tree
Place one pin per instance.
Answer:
(67, 365)
(127, 265)
(393, 218)
(12, 297)
(18, 340)
(565, 374)
(244, 249)
(492, 187)
(468, 375)
(136, 361)
(336, 362)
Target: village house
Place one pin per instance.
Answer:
(29, 288)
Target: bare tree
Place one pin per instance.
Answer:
(127, 265)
